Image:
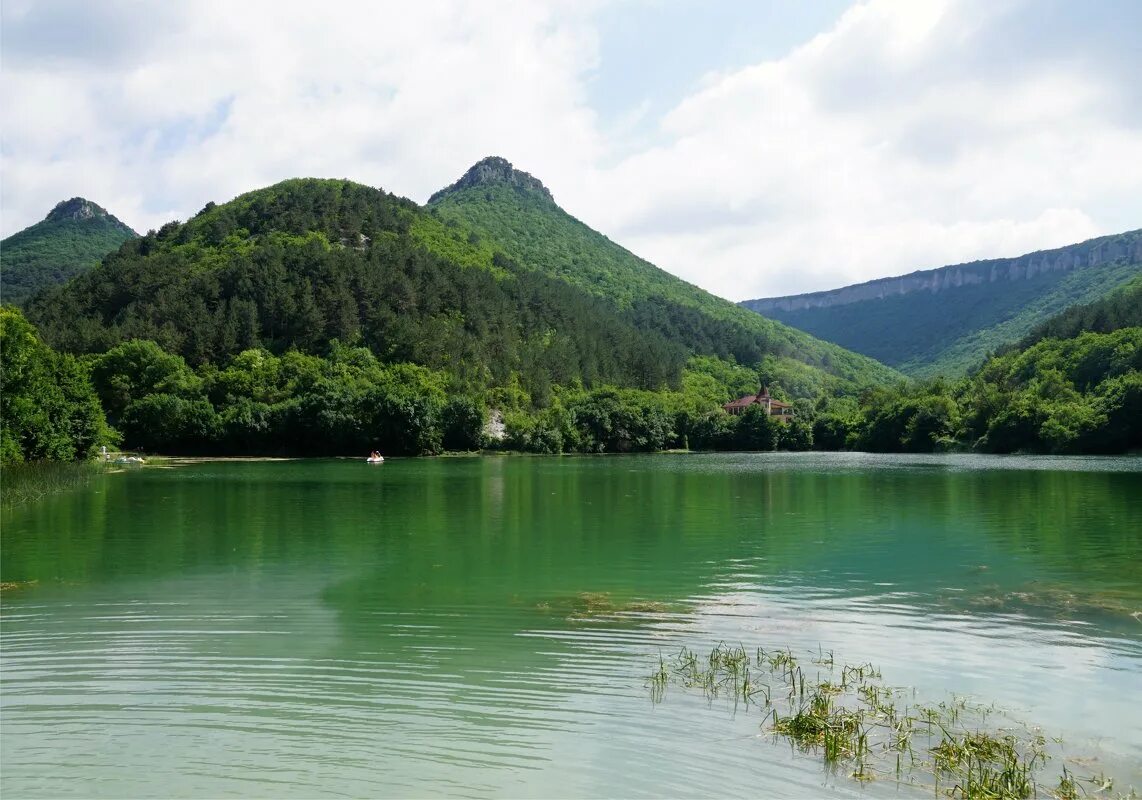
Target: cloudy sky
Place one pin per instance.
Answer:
(756, 148)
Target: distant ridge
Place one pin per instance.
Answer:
(1091, 253)
(71, 239)
(947, 319)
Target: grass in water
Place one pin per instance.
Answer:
(988, 766)
(853, 720)
(23, 483)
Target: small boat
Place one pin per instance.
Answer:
(375, 460)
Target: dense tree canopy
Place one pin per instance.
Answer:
(308, 262)
(48, 409)
(328, 318)
(1074, 395)
(524, 221)
(73, 238)
(1122, 308)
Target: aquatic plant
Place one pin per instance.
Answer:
(1067, 788)
(1061, 601)
(25, 482)
(988, 766)
(593, 605)
(850, 717)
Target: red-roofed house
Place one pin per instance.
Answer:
(775, 408)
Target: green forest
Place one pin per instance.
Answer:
(73, 238)
(321, 317)
(1081, 394)
(949, 332)
(522, 219)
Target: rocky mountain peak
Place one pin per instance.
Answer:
(491, 171)
(79, 208)
(76, 208)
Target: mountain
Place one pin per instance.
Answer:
(515, 213)
(944, 321)
(73, 237)
(304, 262)
(1122, 308)
(324, 317)
(1072, 385)
(307, 261)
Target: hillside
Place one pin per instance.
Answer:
(1073, 385)
(944, 321)
(1122, 308)
(516, 213)
(73, 237)
(324, 317)
(304, 262)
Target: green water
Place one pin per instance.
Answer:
(465, 626)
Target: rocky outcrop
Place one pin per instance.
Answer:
(78, 208)
(495, 170)
(1125, 247)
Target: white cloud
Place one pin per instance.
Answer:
(886, 145)
(237, 96)
(911, 135)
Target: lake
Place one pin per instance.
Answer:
(486, 626)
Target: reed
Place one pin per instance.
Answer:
(27, 482)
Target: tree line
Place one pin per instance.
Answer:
(1077, 395)
(140, 396)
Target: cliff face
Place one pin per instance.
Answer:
(947, 320)
(1092, 253)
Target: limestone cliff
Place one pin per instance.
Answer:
(1091, 253)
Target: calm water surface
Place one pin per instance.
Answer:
(462, 626)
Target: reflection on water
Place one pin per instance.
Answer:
(485, 626)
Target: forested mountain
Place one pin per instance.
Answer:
(323, 317)
(1122, 308)
(516, 213)
(307, 261)
(1074, 385)
(73, 237)
(945, 321)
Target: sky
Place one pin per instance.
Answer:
(755, 148)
